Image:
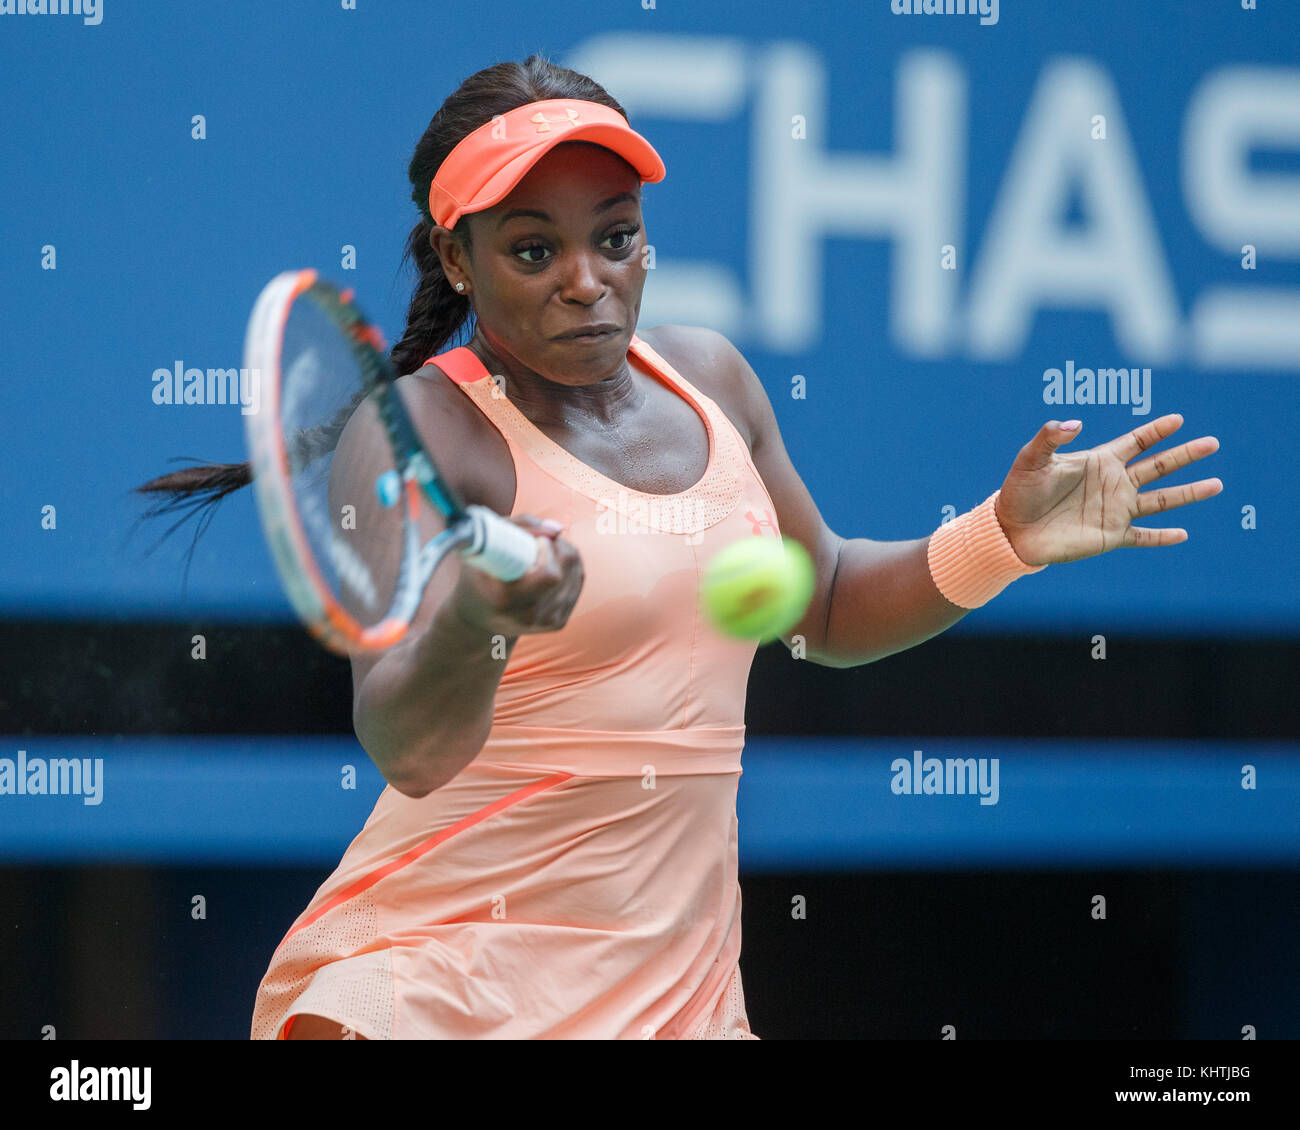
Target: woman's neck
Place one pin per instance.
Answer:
(601, 403)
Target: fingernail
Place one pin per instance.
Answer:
(552, 525)
(1070, 425)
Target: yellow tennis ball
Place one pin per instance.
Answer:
(758, 587)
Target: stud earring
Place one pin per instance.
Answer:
(460, 288)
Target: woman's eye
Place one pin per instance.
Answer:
(624, 236)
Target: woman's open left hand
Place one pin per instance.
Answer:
(1063, 506)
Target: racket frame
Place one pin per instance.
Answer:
(469, 528)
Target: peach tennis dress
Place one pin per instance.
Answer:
(578, 879)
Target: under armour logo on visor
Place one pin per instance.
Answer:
(544, 123)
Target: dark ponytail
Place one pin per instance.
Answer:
(436, 312)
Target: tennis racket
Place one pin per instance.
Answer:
(340, 473)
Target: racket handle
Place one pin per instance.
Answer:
(498, 547)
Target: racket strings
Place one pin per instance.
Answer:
(336, 452)
(309, 444)
(366, 346)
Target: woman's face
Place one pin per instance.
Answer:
(563, 251)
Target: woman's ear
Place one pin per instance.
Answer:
(450, 249)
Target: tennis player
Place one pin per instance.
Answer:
(556, 853)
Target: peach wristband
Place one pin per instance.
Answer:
(971, 560)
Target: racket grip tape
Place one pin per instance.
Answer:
(496, 546)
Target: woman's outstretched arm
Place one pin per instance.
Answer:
(875, 598)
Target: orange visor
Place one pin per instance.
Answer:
(489, 162)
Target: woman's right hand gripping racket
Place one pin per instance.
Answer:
(339, 471)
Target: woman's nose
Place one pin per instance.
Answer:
(583, 279)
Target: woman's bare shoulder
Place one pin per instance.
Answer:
(711, 363)
(468, 450)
